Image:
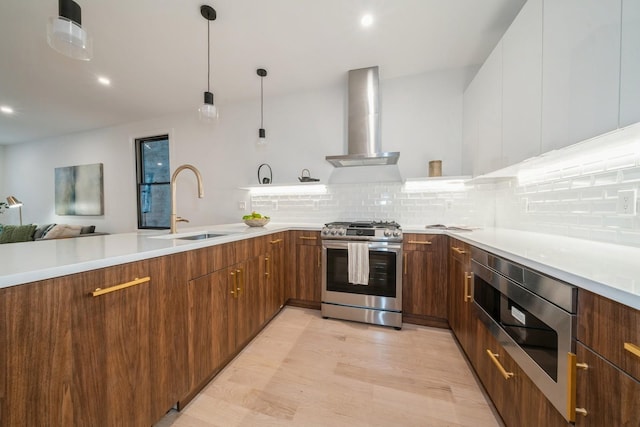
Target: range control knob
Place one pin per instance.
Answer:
(341, 232)
(387, 233)
(396, 233)
(325, 232)
(333, 232)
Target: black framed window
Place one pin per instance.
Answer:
(154, 182)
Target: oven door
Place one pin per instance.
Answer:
(384, 291)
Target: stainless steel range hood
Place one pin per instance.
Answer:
(364, 146)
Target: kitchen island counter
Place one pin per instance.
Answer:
(44, 259)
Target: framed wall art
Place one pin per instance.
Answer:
(79, 190)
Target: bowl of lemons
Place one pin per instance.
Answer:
(256, 220)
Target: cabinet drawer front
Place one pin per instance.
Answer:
(422, 242)
(459, 250)
(610, 329)
(311, 238)
(607, 394)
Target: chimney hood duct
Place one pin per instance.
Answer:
(364, 147)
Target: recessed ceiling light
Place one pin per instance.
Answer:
(6, 109)
(104, 81)
(367, 20)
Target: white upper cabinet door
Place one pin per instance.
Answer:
(630, 63)
(580, 70)
(488, 154)
(522, 85)
(470, 117)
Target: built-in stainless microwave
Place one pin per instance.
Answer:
(533, 318)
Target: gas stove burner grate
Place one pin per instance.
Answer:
(364, 224)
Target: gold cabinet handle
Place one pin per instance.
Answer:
(419, 242)
(234, 284)
(239, 279)
(458, 250)
(494, 358)
(632, 348)
(134, 282)
(308, 238)
(573, 366)
(405, 263)
(467, 295)
(273, 242)
(266, 266)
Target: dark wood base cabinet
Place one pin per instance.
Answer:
(608, 395)
(608, 390)
(122, 345)
(305, 269)
(461, 312)
(424, 281)
(516, 398)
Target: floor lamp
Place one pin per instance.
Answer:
(15, 203)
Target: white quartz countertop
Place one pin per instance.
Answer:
(44, 259)
(612, 271)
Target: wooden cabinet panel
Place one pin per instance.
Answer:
(168, 305)
(610, 397)
(110, 342)
(208, 343)
(305, 268)
(461, 314)
(35, 355)
(309, 273)
(518, 401)
(277, 270)
(605, 326)
(424, 284)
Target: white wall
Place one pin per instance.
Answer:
(421, 118)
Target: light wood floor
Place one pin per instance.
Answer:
(303, 370)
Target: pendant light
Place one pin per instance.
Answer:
(208, 110)
(262, 134)
(65, 33)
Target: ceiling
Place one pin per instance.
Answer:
(155, 53)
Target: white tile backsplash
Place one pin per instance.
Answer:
(574, 196)
(376, 201)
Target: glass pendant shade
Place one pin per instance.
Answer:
(66, 35)
(208, 110)
(262, 137)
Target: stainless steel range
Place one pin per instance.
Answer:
(362, 272)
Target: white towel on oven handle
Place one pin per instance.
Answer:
(358, 264)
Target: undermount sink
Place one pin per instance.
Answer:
(193, 235)
(200, 236)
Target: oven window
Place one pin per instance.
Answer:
(382, 273)
(534, 336)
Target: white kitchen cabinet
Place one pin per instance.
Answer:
(630, 63)
(470, 113)
(488, 153)
(522, 85)
(580, 70)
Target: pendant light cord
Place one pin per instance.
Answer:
(208, 55)
(261, 103)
